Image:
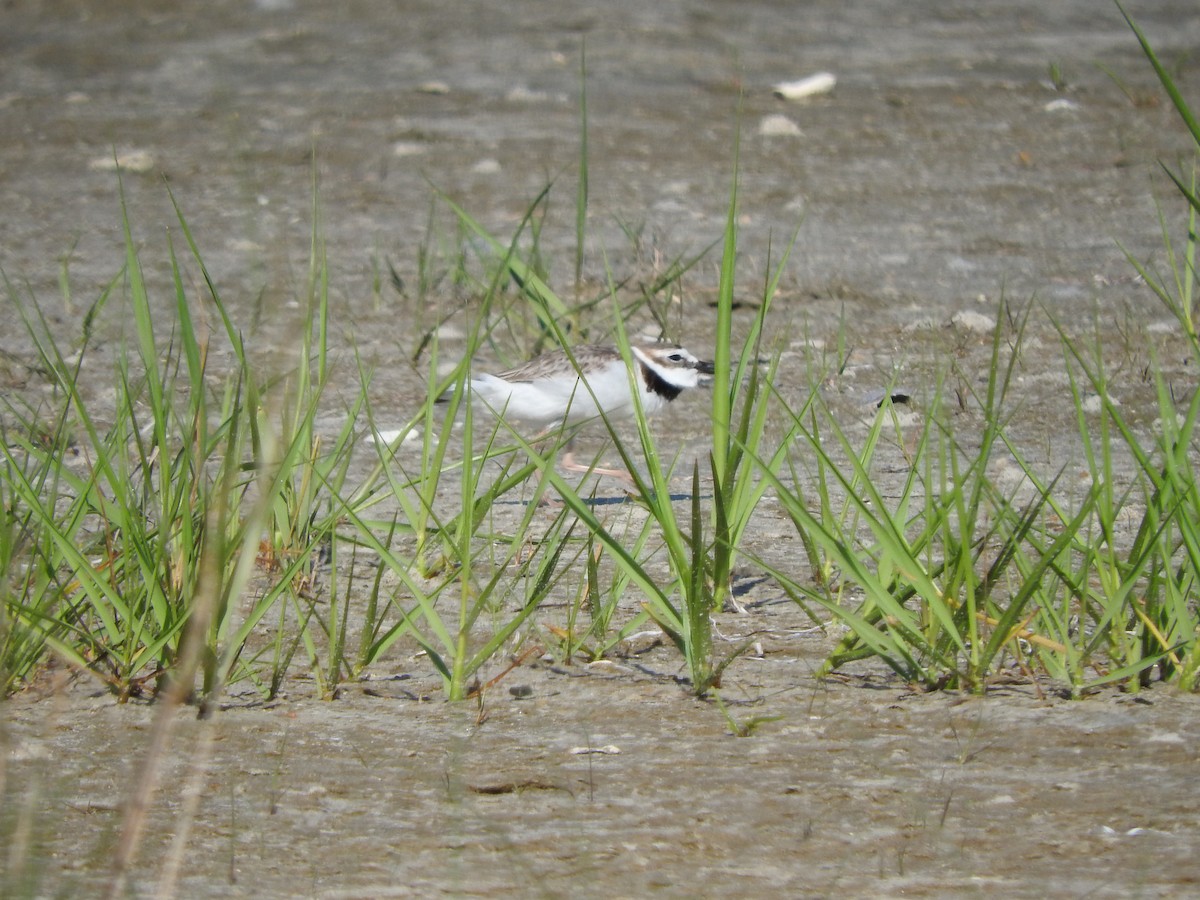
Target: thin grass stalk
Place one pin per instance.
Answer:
(1168, 83)
(736, 491)
(465, 532)
(1170, 481)
(722, 361)
(192, 649)
(581, 194)
(546, 304)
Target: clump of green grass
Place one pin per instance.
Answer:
(131, 538)
(952, 579)
(476, 569)
(700, 546)
(917, 564)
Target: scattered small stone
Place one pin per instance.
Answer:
(407, 148)
(777, 125)
(802, 89)
(137, 161)
(973, 321)
(1062, 104)
(521, 691)
(605, 665)
(487, 166)
(606, 750)
(389, 436)
(1094, 403)
(433, 87)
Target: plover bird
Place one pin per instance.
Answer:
(548, 391)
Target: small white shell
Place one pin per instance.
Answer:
(606, 750)
(389, 436)
(1060, 105)
(137, 161)
(968, 320)
(776, 125)
(820, 83)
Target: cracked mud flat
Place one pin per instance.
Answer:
(930, 181)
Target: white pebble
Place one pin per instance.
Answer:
(820, 83)
(1062, 104)
(407, 148)
(1094, 403)
(606, 750)
(137, 161)
(389, 436)
(972, 321)
(778, 126)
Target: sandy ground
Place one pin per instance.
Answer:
(942, 173)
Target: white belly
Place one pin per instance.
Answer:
(551, 401)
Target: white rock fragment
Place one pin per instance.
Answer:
(487, 166)
(778, 126)
(433, 87)
(802, 89)
(387, 437)
(606, 750)
(137, 161)
(401, 149)
(1094, 403)
(604, 665)
(1062, 104)
(972, 321)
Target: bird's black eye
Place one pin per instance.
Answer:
(676, 357)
